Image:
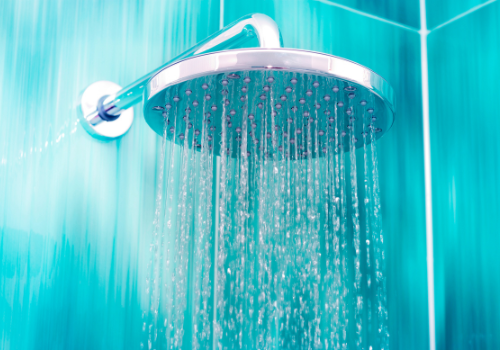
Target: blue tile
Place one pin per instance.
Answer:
(75, 213)
(439, 12)
(403, 12)
(464, 72)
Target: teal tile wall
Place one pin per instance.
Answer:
(464, 73)
(402, 12)
(76, 214)
(439, 12)
(395, 54)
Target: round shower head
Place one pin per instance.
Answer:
(269, 98)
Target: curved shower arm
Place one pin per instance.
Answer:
(263, 27)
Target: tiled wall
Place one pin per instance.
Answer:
(75, 213)
(464, 74)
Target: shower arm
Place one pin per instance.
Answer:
(260, 26)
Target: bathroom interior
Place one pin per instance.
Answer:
(267, 174)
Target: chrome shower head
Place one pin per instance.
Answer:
(269, 96)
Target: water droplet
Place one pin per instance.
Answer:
(363, 103)
(266, 88)
(204, 86)
(244, 89)
(238, 129)
(214, 108)
(197, 132)
(305, 114)
(247, 80)
(172, 129)
(190, 126)
(260, 105)
(351, 95)
(309, 92)
(232, 112)
(168, 106)
(176, 98)
(326, 97)
(268, 134)
(294, 109)
(370, 110)
(188, 92)
(298, 131)
(263, 96)
(293, 80)
(302, 101)
(288, 89)
(316, 84)
(181, 136)
(195, 103)
(321, 133)
(208, 97)
(254, 125)
(224, 82)
(335, 89)
(318, 106)
(340, 104)
(250, 116)
(270, 79)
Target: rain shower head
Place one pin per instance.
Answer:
(267, 96)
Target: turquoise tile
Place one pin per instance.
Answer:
(402, 12)
(439, 12)
(464, 120)
(395, 54)
(76, 214)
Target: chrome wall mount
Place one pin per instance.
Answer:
(95, 114)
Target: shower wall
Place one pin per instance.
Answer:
(464, 72)
(76, 214)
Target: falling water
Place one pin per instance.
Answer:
(267, 231)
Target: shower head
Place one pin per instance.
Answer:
(265, 96)
(268, 95)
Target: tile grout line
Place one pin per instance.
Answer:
(366, 14)
(463, 14)
(221, 14)
(428, 175)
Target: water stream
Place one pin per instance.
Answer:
(267, 231)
